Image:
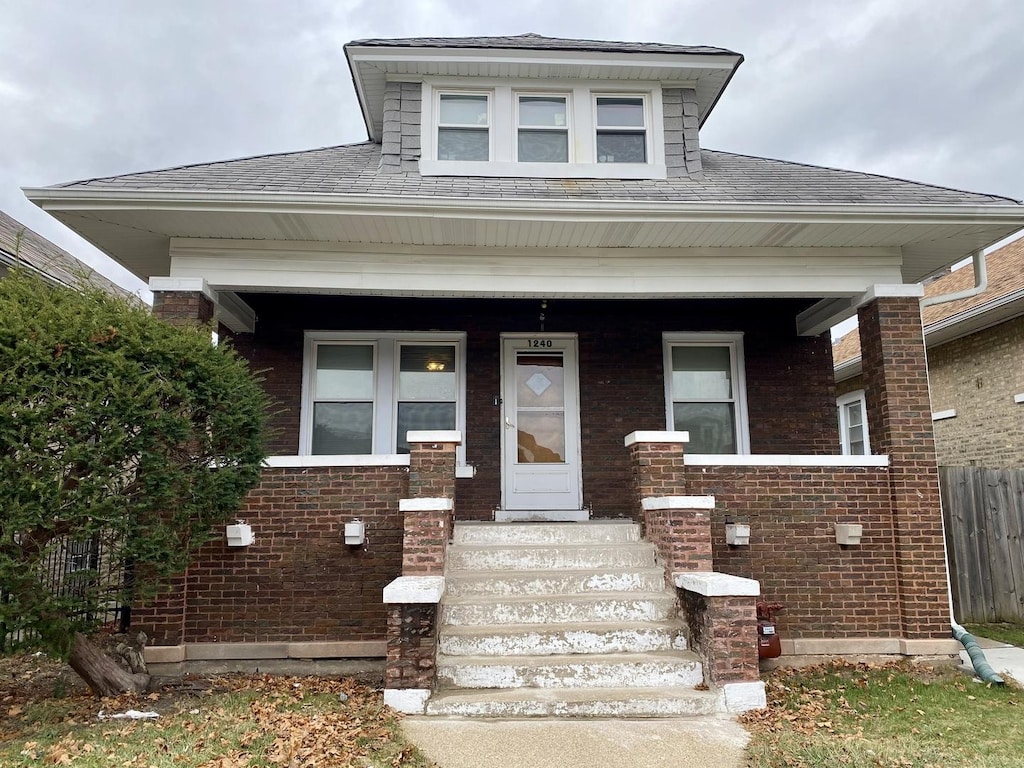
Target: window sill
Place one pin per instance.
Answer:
(544, 170)
(781, 460)
(355, 460)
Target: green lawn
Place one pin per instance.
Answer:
(896, 715)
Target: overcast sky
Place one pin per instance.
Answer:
(929, 90)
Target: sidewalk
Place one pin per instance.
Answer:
(708, 742)
(1005, 659)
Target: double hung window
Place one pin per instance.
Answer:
(543, 129)
(364, 392)
(853, 426)
(705, 391)
(621, 123)
(463, 127)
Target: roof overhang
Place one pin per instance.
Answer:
(135, 228)
(972, 320)
(374, 65)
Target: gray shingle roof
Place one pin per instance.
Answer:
(353, 169)
(532, 41)
(20, 245)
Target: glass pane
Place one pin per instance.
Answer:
(423, 416)
(857, 448)
(342, 428)
(463, 109)
(628, 113)
(540, 381)
(541, 437)
(543, 147)
(621, 147)
(854, 414)
(427, 372)
(711, 426)
(701, 373)
(344, 372)
(542, 110)
(462, 144)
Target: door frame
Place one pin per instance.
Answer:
(573, 435)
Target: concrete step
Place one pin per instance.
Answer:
(539, 609)
(561, 582)
(573, 702)
(545, 639)
(462, 557)
(595, 531)
(618, 670)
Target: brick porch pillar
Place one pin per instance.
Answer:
(678, 525)
(182, 302)
(900, 425)
(413, 599)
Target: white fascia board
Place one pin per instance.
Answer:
(182, 285)
(235, 313)
(891, 291)
(849, 368)
(598, 210)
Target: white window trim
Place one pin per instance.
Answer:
(844, 427)
(503, 130)
(436, 127)
(735, 343)
(647, 128)
(386, 346)
(567, 129)
(942, 415)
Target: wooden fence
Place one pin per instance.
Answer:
(984, 519)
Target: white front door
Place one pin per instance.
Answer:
(541, 470)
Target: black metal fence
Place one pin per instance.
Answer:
(75, 568)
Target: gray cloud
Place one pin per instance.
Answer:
(924, 89)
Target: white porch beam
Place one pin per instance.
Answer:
(817, 319)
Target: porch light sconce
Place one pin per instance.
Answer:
(240, 535)
(435, 365)
(848, 534)
(737, 535)
(355, 532)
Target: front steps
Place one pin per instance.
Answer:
(563, 620)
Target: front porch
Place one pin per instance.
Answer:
(785, 480)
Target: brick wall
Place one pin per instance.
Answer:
(828, 591)
(722, 631)
(412, 643)
(791, 396)
(978, 375)
(299, 581)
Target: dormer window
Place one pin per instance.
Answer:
(543, 129)
(463, 127)
(535, 129)
(621, 123)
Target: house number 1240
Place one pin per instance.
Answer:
(537, 343)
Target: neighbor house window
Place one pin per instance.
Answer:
(621, 124)
(705, 391)
(853, 424)
(543, 129)
(463, 127)
(364, 392)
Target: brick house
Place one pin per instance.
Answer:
(532, 295)
(975, 366)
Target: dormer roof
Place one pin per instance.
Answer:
(373, 62)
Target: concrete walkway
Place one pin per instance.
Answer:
(709, 742)
(1004, 659)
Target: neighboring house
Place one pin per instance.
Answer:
(20, 246)
(522, 296)
(975, 366)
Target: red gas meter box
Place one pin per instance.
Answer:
(768, 644)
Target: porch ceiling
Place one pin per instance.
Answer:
(137, 230)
